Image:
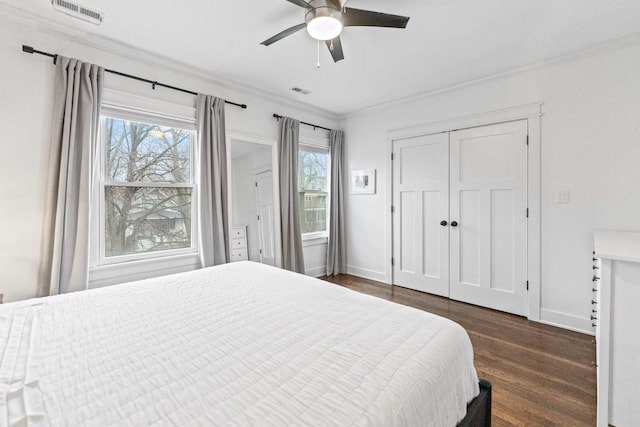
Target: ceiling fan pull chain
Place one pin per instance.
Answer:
(331, 46)
(318, 53)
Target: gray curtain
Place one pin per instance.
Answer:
(73, 167)
(212, 158)
(292, 257)
(336, 248)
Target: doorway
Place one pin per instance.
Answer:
(253, 195)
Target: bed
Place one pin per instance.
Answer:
(238, 344)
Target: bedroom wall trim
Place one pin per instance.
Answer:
(619, 43)
(566, 321)
(530, 112)
(368, 274)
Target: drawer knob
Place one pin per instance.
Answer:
(594, 302)
(593, 317)
(595, 278)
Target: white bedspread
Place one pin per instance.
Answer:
(239, 344)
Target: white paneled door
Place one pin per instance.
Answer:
(264, 199)
(488, 183)
(421, 203)
(460, 220)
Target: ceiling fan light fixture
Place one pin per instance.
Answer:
(324, 23)
(324, 28)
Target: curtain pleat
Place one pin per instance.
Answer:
(73, 167)
(212, 195)
(292, 256)
(336, 246)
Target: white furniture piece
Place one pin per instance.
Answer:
(239, 243)
(617, 320)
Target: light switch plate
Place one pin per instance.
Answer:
(563, 197)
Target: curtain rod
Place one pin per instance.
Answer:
(29, 49)
(277, 116)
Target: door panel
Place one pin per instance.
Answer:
(264, 198)
(503, 240)
(431, 233)
(488, 186)
(420, 200)
(407, 232)
(469, 237)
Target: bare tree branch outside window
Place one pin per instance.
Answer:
(147, 187)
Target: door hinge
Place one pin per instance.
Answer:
(260, 251)
(527, 285)
(527, 139)
(258, 217)
(527, 212)
(392, 210)
(392, 261)
(256, 184)
(392, 156)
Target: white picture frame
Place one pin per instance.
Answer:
(362, 181)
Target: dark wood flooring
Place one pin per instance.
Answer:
(541, 375)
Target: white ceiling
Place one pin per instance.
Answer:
(447, 42)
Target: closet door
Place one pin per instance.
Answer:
(488, 180)
(421, 203)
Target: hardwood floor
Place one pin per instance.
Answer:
(541, 375)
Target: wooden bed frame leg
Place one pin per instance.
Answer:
(479, 410)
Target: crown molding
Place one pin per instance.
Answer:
(114, 47)
(593, 50)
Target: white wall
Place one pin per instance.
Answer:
(590, 147)
(26, 89)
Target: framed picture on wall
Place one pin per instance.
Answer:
(363, 181)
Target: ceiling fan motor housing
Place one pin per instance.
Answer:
(328, 19)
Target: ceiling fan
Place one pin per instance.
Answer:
(325, 19)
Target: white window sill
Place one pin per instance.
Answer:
(105, 275)
(314, 239)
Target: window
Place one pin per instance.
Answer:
(147, 188)
(313, 190)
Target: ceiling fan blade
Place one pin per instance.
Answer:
(367, 18)
(301, 3)
(336, 52)
(336, 3)
(284, 34)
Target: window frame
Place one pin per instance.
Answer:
(317, 144)
(100, 260)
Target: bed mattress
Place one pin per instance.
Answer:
(235, 345)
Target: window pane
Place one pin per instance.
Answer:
(140, 219)
(312, 171)
(139, 152)
(313, 212)
(312, 190)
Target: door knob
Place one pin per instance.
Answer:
(443, 223)
(454, 223)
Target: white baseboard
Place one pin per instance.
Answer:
(316, 271)
(566, 321)
(367, 274)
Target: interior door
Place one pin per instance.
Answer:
(264, 198)
(421, 204)
(488, 221)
